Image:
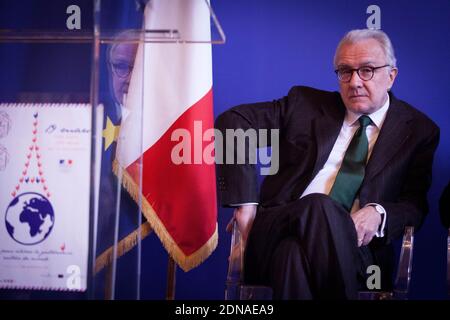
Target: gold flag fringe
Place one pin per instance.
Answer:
(185, 262)
(124, 245)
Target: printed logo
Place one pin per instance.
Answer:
(29, 218)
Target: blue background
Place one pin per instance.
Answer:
(271, 46)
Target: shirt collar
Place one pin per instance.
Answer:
(377, 117)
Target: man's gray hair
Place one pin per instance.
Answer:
(358, 35)
(128, 36)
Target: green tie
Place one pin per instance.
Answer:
(351, 173)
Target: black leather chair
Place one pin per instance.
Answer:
(237, 290)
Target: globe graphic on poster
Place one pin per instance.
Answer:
(29, 218)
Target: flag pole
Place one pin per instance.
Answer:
(171, 278)
(108, 282)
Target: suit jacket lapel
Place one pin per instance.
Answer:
(327, 128)
(393, 135)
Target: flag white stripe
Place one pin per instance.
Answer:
(176, 75)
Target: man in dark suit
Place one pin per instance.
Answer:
(354, 170)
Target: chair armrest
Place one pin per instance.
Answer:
(402, 280)
(235, 265)
(448, 263)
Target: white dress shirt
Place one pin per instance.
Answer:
(324, 180)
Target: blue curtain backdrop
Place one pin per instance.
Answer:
(271, 46)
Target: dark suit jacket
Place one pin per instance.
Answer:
(398, 174)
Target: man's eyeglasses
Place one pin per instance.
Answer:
(365, 73)
(120, 69)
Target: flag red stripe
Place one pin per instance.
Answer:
(183, 196)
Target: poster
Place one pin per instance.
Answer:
(44, 196)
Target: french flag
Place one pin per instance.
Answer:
(170, 88)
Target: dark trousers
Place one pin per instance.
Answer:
(306, 249)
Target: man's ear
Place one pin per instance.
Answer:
(392, 75)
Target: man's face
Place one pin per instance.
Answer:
(359, 96)
(121, 64)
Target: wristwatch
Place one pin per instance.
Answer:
(379, 209)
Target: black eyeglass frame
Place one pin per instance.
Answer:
(116, 65)
(372, 69)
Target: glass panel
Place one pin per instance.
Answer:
(75, 65)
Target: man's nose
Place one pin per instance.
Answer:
(355, 80)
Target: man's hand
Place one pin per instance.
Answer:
(244, 216)
(366, 220)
